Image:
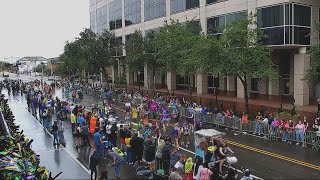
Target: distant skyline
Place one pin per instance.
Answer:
(40, 27)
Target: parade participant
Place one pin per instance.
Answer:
(188, 169)
(93, 124)
(117, 161)
(137, 148)
(128, 147)
(85, 134)
(94, 160)
(73, 122)
(113, 134)
(150, 154)
(55, 134)
(175, 135)
(174, 157)
(134, 114)
(197, 167)
(78, 136)
(98, 142)
(176, 174)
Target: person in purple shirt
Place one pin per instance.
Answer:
(204, 112)
(34, 105)
(175, 135)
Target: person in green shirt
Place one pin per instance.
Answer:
(73, 122)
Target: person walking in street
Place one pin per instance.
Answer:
(55, 134)
(113, 135)
(127, 141)
(117, 162)
(166, 155)
(60, 130)
(97, 138)
(73, 122)
(85, 134)
(78, 136)
(94, 160)
(160, 144)
(137, 148)
(176, 174)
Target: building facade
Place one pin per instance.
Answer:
(289, 25)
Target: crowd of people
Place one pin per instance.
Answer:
(151, 134)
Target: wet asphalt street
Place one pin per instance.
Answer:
(266, 159)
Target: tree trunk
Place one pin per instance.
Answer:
(154, 81)
(246, 97)
(190, 90)
(105, 75)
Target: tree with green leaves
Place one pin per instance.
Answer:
(244, 55)
(73, 59)
(42, 68)
(135, 51)
(313, 73)
(174, 44)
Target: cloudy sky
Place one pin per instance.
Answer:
(40, 27)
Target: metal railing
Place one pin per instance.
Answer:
(269, 131)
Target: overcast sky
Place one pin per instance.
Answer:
(40, 27)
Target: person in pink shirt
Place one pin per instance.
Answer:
(275, 128)
(300, 130)
(289, 131)
(282, 128)
(205, 172)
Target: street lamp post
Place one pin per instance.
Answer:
(139, 80)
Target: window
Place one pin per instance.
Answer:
(275, 36)
(254, 85)
(302, 35)
(230, 18)
(182, 80)
(214, 1)
(115, 15)
(270, 16)
(132, 12)
(213, 81)
(216, 25)
(154, 9)
(302, 15)
(102, 19)
(93, 21)
(285, 24)
(182, 5)
(119, 46)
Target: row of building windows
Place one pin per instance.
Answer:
(283, 24)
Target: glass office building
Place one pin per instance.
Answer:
(288, 25)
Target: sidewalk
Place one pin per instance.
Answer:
(254, 104)
(55, 160)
